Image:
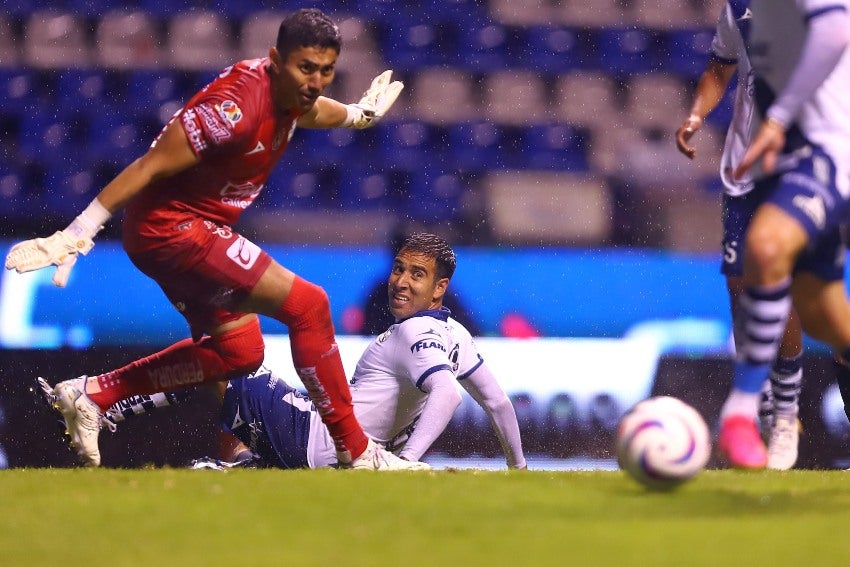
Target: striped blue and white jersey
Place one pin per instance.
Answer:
(778, 34)
(729, 46)
(388, 380)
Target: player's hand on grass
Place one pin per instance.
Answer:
(60, 250)
(375, 102)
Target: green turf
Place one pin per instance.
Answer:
(269, 517)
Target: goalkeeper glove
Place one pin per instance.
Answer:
(61, 248)
(375, 102)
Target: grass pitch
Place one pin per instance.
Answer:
(270, 517)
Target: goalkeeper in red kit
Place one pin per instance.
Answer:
(179, 199)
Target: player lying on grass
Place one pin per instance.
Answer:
(404, 387)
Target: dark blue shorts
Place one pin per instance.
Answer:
(270, 417)
(807, 193)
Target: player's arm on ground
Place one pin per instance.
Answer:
(708, 94)
(486, 391)
(443, 400)
(330, 113)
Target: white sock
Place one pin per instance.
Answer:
(743, 403)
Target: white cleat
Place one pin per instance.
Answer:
(376, 458)
(782, 446)
(82, 419)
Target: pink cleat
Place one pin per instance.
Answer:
(741, 444)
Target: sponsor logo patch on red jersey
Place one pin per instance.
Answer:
(243, 252)
(230, 111)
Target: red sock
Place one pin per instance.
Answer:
(314, 351)
(185, 364)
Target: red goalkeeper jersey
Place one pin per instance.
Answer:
(239, 135)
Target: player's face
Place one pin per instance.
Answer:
(413, 285)
(300, 78)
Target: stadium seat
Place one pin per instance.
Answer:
(442, 95)
(409, 144)
(115, 137)
(585, 98)
(656, 99)
(70, 185)
(521, 12)
(127, 40)
(49, 135)
(594, 15)
(558, 49)
(374, 188)
(87, 90)
(663, 14)
(435, 195)
(482, 145)
(334, 146)
(409, 43)
(556, 147)
(19, 91)
(515, 97)
(258, 33)
(686, 51)
(488, 47)
(164, 10)
(293, 186)
(360, 53)
(95, 8)
(10, 52)
(56, 39)
(199, 40)
(627, 50)
(16, 190)
(151, 90)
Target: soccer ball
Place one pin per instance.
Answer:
(662, 442)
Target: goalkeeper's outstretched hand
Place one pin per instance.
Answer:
(376, 101)
(59, 250)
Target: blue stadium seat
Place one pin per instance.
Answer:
(300, 187)
(488, 47)
(70, 185)
(409, 43)
(87, 90)
(686, 51)
(149, 89)
(115, 137)
(558, 49)
(332, 146)
(626, 51)
(95, 8)
(373, 188)
(556, 147)
(19, 91)
(50, 135)
(481, 145)
(19, 196)
(435, 195)
(409, 144)
(165, 9)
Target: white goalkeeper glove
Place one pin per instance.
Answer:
(375, 102)
(61, 248)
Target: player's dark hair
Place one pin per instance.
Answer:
(307, 27)
(435, 247)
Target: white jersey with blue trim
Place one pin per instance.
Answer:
(777, 36)
(386, 384)
(729, 46)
